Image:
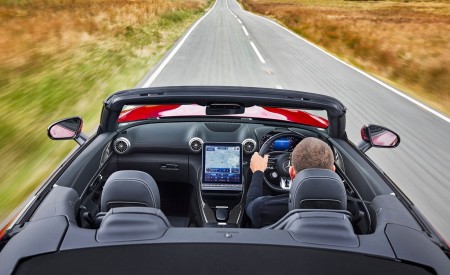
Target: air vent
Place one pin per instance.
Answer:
(249, 146)
(121, 145)
(196, 144)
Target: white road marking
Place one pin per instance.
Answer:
(257, 53)
(239, 20)
(278, 87)
(174, 51)
(392, 89)
(228, 8)
(245, 30)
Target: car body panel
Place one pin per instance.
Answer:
(163, 111)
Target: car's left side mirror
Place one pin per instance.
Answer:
(377, 136)
(68, 128)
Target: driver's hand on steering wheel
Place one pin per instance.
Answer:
(258, 163)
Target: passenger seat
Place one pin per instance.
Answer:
(130, 209)
(128, 188)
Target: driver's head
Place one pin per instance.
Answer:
(311, 153)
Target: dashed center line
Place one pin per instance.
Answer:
(420, 104)
(245, 30)
(257, 53)
(260, 57)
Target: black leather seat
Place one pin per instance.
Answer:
(317, 204)
(125, 189)
(317, 189)
(132, 224)
(130, 188)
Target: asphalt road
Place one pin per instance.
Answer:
(230, 46)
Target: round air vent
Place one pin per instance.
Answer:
(121, 145)
(249, 146)
(196, 144)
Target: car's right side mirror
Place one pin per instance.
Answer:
(377, 136)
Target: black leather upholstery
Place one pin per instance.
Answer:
(130, 188)
(132, 224)
(317, 204)
(328, 227)
(317, 189)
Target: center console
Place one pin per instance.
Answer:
(221, 184)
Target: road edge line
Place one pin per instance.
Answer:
(390, 88)
(166, 60)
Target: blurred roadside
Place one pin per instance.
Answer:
(405, 43)
(61, 58)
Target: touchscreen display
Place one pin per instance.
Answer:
(222, 163)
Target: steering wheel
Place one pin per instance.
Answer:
(276, 176)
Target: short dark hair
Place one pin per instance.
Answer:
(312, 153)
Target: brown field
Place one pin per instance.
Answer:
(406, 43)
(61, 58)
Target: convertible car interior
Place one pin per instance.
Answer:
(160, 166)
(177, 172)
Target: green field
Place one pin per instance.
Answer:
(62, 58)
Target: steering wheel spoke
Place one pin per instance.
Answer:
(271, 164)
(285, 183)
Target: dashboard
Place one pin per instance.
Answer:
(188, 137)
(207, 162)
(173, 152)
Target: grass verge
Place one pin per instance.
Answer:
(405, 43)
(61, 58)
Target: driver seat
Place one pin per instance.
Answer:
(317, 189)
(317, 204)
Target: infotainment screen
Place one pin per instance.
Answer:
(222, 165)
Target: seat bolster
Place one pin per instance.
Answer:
(326, 228)
(132, 224)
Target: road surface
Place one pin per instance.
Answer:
(230, 46)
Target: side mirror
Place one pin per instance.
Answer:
(68, 128)
(377, 136)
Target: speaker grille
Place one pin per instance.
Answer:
(222, 127)
(196, 144)
(249, 146)
(121, 145)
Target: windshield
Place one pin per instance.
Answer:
(144, 112)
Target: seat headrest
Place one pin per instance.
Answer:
(317, 189)
(129, 188)
(131, 224)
